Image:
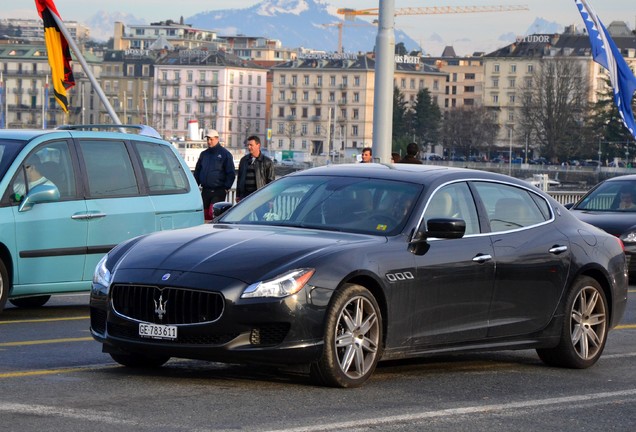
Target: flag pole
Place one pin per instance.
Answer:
(88, 72)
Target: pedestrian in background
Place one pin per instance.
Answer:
(412, 149)
(255, 169)
(214, 172)
(367, 155)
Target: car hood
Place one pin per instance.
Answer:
(243, 252)
(615, 223)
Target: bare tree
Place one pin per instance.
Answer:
(468, 129)
(554, 107)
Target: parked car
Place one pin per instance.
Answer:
(340, 267)
(601, 207)
(103, 188)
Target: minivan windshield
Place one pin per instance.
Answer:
(349, 204)
(8, 150)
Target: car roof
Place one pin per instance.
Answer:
(407, 172)
(101, 130)
(628, 177)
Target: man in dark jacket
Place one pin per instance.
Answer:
(214, 172)
(411, 154)
(255, 169)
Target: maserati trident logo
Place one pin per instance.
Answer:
(160, 307)
(165, 277)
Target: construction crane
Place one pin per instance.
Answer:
(340, 25)
(351, 14)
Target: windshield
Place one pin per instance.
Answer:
(610, 196)
(361, 205)
(8, 150)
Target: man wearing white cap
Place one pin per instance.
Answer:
(214, 172)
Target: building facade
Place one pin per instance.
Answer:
(323, 103)
(218, 89)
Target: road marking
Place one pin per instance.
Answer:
(45, 320)
(41, 372)
(480, 409)
(625, 326)
(44, 410)
(45, 341)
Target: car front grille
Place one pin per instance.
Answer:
(166, 305)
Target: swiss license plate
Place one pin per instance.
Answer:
(158, 331)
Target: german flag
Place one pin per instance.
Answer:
(58, 52)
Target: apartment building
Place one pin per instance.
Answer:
(464, 80)
(323, 103)
(161, 35)
(32, 30)
(26, 75)
(509, 69)
(127, 78)
(218, 89)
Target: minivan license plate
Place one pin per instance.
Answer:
(157, 331)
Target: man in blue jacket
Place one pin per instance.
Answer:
(214, 172)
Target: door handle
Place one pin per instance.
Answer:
(558, 249)
(482, 258)
(88, 215)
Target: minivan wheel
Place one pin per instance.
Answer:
(5, 285)
(140, 360)
(30, 302)
(585, 327)
(352, 341)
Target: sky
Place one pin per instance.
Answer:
(466, 32)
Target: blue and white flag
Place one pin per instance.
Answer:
(605, 53)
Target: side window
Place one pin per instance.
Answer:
(510, 207)
(108, 168)
(50, 164)
(454, 201)
(163, 171)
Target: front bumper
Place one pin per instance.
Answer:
(266, 330)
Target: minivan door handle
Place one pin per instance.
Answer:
(88, 215)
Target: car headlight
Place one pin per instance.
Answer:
(629, 237)
(281, 286)
(102, 275)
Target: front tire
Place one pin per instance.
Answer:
(5, 285)
(30, 302)
(585, 327)
(352, 341)
(140, 360)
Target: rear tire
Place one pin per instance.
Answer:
(352, 340)
(30, 302)
(140, 360)
(5, 285)
(585, 327)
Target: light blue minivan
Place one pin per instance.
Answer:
(69, 195)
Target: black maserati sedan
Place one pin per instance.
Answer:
(339, 267)
(611, 206)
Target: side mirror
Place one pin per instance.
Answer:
(39, 194)
(444, 228)
(220, 208)
(569, 205)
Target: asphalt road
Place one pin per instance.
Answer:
(53, 376)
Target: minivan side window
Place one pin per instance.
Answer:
(49, 164)
(108, 168)
(163, 171)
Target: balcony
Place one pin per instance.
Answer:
(316, 118)
(290, 118)
(207, 83)
(292, 101)
(317, 101)
(206, 98)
